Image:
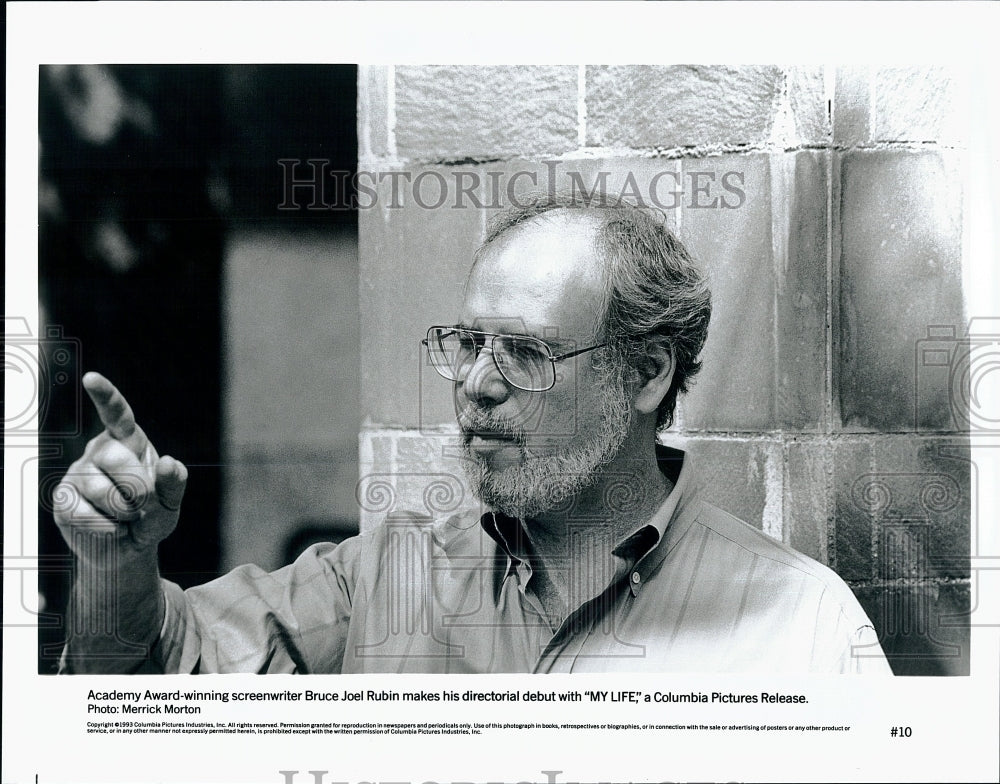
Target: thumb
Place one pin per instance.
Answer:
(170, 482)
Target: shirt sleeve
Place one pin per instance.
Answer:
(846, 641)
(293, 620)
(851, 645)
(864, 655)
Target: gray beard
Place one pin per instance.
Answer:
(547, 483)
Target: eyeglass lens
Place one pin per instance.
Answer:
(523, 361)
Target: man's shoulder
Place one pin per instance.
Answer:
(740, 536)
(788, 611)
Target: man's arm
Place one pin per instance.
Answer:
(113, 507)
(295, 619)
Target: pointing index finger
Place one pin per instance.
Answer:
(111, 405)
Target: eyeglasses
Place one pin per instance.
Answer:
(525, 362)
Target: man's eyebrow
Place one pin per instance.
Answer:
(522, 334)
(551, 341)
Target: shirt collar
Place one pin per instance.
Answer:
(509, 534)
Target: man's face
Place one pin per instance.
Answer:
(528, 452)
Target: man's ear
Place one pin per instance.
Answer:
(656, 372)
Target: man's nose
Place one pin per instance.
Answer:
(484, 384)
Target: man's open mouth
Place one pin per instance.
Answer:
(488, 436)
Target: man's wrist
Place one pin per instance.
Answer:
(116, 612)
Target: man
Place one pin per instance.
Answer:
(580, 325)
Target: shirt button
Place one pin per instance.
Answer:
(636, 578)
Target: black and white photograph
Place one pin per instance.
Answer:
(664, 388)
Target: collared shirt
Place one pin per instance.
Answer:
(693, 590)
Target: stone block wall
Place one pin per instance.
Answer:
(825, 204)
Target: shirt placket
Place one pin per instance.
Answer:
(569, 640)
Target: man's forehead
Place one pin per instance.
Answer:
(555, 245)
(543, 273)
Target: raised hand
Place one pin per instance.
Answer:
(119, 487)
